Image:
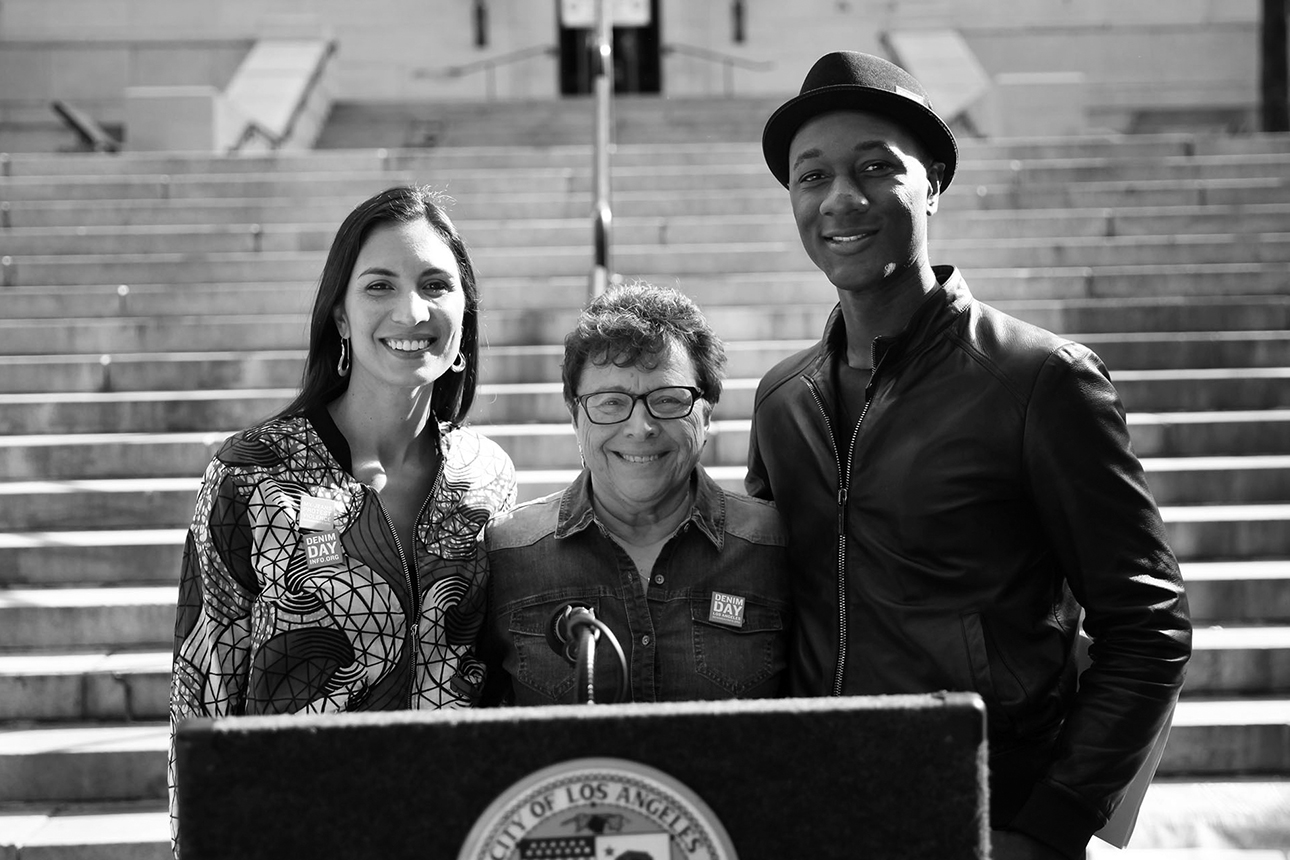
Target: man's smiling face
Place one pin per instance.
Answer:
(861, 194)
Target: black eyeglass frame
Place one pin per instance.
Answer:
(696, 394)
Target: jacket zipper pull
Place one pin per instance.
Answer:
(842, 497)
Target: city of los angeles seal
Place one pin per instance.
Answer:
(602, 808)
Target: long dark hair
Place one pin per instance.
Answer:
(320, 384)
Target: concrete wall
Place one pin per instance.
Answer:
(1133, 53)
(95, 75)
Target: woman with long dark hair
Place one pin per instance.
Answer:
(332, 545)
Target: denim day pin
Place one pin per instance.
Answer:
(321, 549)
(727, 609)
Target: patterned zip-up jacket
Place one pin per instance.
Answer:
(295, 595)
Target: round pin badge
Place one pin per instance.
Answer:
(604, 808)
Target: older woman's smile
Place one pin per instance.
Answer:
(640, 457)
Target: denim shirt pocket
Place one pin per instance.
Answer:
(539, 667)
(738, 659)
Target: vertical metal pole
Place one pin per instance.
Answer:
(1274, 95)
(603, 76)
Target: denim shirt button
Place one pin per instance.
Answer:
(658, 579)
(645, 639)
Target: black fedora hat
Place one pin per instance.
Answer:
(849, 80)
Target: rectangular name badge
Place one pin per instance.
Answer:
(317, 515)
(727, 609)
(321, 549)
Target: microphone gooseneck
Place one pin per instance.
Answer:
(573, 632)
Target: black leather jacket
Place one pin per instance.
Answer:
(987, 494)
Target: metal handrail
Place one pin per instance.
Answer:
(602, 213)
(489, 66)
(728, 61)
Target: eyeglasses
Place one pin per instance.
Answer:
(615, 407)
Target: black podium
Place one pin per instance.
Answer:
(860, 777)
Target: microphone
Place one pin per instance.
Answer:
(564, 629)
(573, 632)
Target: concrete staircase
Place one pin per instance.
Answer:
(149, 305)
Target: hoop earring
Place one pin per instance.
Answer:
(342, 365)
(459, 364)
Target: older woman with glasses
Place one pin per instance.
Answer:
(685, 582)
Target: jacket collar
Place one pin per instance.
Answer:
(708, 511)
(936, 312)
(338, 446)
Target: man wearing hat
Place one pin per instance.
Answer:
(958, 484)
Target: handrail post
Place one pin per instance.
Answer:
(602, 215)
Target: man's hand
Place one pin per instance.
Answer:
(1013, 845)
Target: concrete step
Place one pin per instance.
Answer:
(48, 454)
(107, 455)
(792, 318)
(87, 687)
(1159, 192)
(1207, 282)
(1206, 389)
(580, 154)
(1239, 661)
(130, 686)
(1144, 391)
(36, 247)
(107, 503)
(140, 556)
(369, 125)
(138, 411)
(421, 160)
(784, 255)
(329, 204)
(949, 231)
(147, 371)
(378, 153)
(1226, 737)
(1208, 820)
(1011, 183)
(129, 830)
(173, 238)
(22, 182)
(1212, 739)
(80, 764)
(79, 235)
(293, 186)
(950, 223)
(1228, 531)
(1190, 444)
(1190, 434)
(47, 621)
(1223, 480)
(1255, 592)
(150, 371)
(1233, 820)
(92, 558)
(466, 179)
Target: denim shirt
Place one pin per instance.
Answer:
(678, 642)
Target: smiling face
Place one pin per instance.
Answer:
(403, 308)
(861, 197)
(644, 463)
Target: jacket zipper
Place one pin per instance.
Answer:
(414, 581)
(844, 483)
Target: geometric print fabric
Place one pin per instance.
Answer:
(258, 631)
